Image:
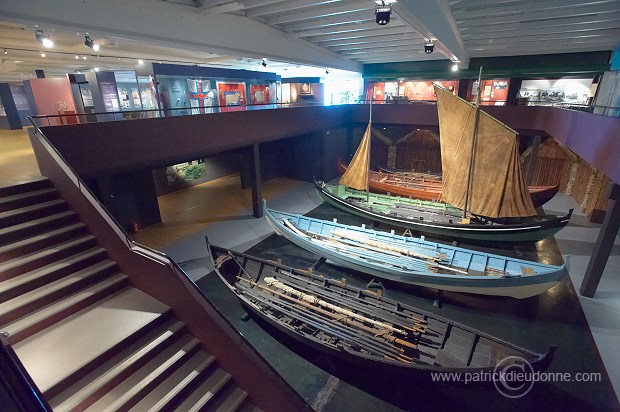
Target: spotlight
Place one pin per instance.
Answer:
(83, 57)
(429, 47)
(42, 54)
(382, 14)
(77, 57)
(140, 61)
(326, 71)
(264, 63)
(455, 67)
(90, 43)
(43, 38)
(6, 51)
(96, 69)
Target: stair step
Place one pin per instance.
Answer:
(36, 226)
(16, 200)
(50, 357)
(176, 387)
(97, 383)
(24, 187)
(31, 261)
(48, 315)
(32, 211)
(53, 291)
(30, 244)
(230, 400)
(205, 392)
(23, 283)
(138, 385)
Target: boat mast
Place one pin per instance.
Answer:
(369, 150)
(473, 145)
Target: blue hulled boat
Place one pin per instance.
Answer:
(414, 260)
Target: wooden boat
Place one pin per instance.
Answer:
(414, 260)
(428, 187)
(438, 219)
(481, 176)
(374, 335)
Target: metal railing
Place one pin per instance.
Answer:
(95, 117)
(22, 390)
(148, 252)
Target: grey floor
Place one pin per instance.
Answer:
(576, 242)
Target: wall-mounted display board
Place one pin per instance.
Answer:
(407, 90)
(557, 91)
(201, 96)
(259, 94)
(231, 96)
(494, 91)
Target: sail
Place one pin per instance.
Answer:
(356, 175)
(497, 187)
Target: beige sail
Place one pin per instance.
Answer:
(497, 187)
(356, 175)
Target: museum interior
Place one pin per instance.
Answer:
(306, 205)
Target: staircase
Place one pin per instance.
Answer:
(89, 340)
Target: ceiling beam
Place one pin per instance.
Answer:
(359, 16)
(343, 29)
(283, 7)
(320, 12)
(433, 20)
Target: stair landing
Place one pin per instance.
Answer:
(49, 356)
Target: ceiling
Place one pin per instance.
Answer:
(296, 37)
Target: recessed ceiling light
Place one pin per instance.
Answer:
(42, 54)
(83, 57)
(77, 57)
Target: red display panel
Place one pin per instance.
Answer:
(259, 94)
(494, 91)
(231, 96)
(416, 90)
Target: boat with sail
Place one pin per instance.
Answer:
(481, 176)
(371, 333)
(415, 260)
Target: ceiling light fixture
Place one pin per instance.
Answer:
(429, 46)
(77, 57)
(6, 51)
(382, 13)
(264, 63)
(140, 62)
(83, 57)
(43, 38)
(96, 69)
(42, 54)
(455, 67)
(90, 43)
(326, 71)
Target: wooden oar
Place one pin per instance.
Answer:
(340, 318)
(314, 300)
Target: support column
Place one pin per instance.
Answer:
(257, 189)
(604, 243)
(531, 165)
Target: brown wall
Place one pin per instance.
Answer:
(127, 145)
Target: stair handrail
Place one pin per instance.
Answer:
(81, 185)
(18, 382)
(146, 251)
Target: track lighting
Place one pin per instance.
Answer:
(6, 51)
(326, 71)
(429, 47)
(264, 63)
(43, 38)
(90, 43)
(382, 13)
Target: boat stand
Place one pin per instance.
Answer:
(318, 263)
(373, 284)
(438, 296)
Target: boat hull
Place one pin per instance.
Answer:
(439, 351)
(515, 286)
(483, 233)
(427, 189)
